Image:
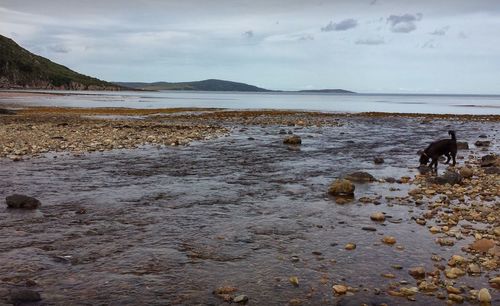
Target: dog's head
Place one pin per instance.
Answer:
(424, 159)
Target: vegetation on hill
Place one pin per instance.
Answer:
(206, 85)
(20, 68)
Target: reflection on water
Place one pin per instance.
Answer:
(436, 104)
(168, 226)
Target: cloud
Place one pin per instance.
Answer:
(248, 34)
(370, 41)
(440, 32)
(344, 25)
(429, 44)
(306, 37)
(59, 48)
(462, 35)
(373, 2)
(404, 23)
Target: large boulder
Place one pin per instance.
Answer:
(22, 202)
(292, 140)
(449, 177)
(341, 187)
(359, 176)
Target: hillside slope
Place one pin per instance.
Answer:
(20, 68)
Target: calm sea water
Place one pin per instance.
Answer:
(436, 104)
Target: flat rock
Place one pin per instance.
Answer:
(22, 202)
(360, 176)
(240, 299)
(417, 272)
(488, 160)
(377, 216)
(462, 145)
(482, 245)
(449, 177)
(482, 143)
(339, 289)
(492, 170)
(378, 160)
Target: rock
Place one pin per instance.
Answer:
(488, 160)
(462, 145)
(369, 229)
(292, 140)
(455, 298)
(474, 268)
(24, 296)
(449, 177)
(484, 296)
(378, 160)
(360, 176)
(294, 280)
(454, 273)
(482, 245)
(417, 272)
(453, 290)
(342, 187)
(466, 172)
(483, 136)
(22, 201)
(4, 111)
(343, 199)
(424, 169)
(350, 246)
(482, 143)
(282, 132)
(495, 282)
(492, 170)
(377, 216)
(389, 240)
(390, 180)
(339, 289)
(241, 299)
(456, 260)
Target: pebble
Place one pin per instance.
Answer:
(350, 246)
(377, 216)
(240, 299)
(294, 280)
(339, 289)
(417, 272)
(484, 296)
(455, 298)
(389, 240)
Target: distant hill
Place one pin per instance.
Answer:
(20, 68)
(337, 91)
(206, 85)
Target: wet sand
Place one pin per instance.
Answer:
(159, 224)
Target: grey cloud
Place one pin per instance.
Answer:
(306, 37)
(344, 25)
(404, 23)
(248, 34)
(440, 32)
(370, 41)
(373, 2)
(429, 44)
(59, 48)
(462, 35)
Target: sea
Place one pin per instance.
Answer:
(325, 102)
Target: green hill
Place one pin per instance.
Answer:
(20, 68)
(206, 85)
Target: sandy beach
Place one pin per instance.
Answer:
(209, 206)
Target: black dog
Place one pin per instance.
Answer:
(446, 147)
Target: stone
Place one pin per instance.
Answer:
(22, 202)
(292, 140)
(339, 289)
(455, 298)
(449, 177)
(350, 246)
(488, 160)
(456, 260)
(389, 240)
(492, 170)
(369, 229)
(4, 111)
(453, 290)
(495, 282)
(390, 180)
(482, 245)
(417, 272)
(377, 216)
(484, 296)
(482, 143)
(24, 296)
(294, 280)
(466, 172)
(474, 268)
(240, 299)
(360, 176)
(342, 187)
(424, 169)
(462, 145)
(378, 160)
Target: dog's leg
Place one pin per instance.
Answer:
(448, 158)
(454, 161)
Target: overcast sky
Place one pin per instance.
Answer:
(420, 46)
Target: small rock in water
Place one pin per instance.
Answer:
(484, 296)
(241, 299)
(377, 216)
(24, 296)
(466, 172)
(455, 298)
(360, 176)
(369, 229)
(293, 140)
(341, 187)
(482, 143)
(449, 177)
(350, 246)
(417, 272)
(339, 289)
(488, 160)
(462, 145)
(378, 160)
(389, 240)
(294, 280)
(22, 201)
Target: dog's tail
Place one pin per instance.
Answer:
(452, 134)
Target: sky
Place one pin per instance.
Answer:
(368, 46)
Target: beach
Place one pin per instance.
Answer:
(209, 206)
